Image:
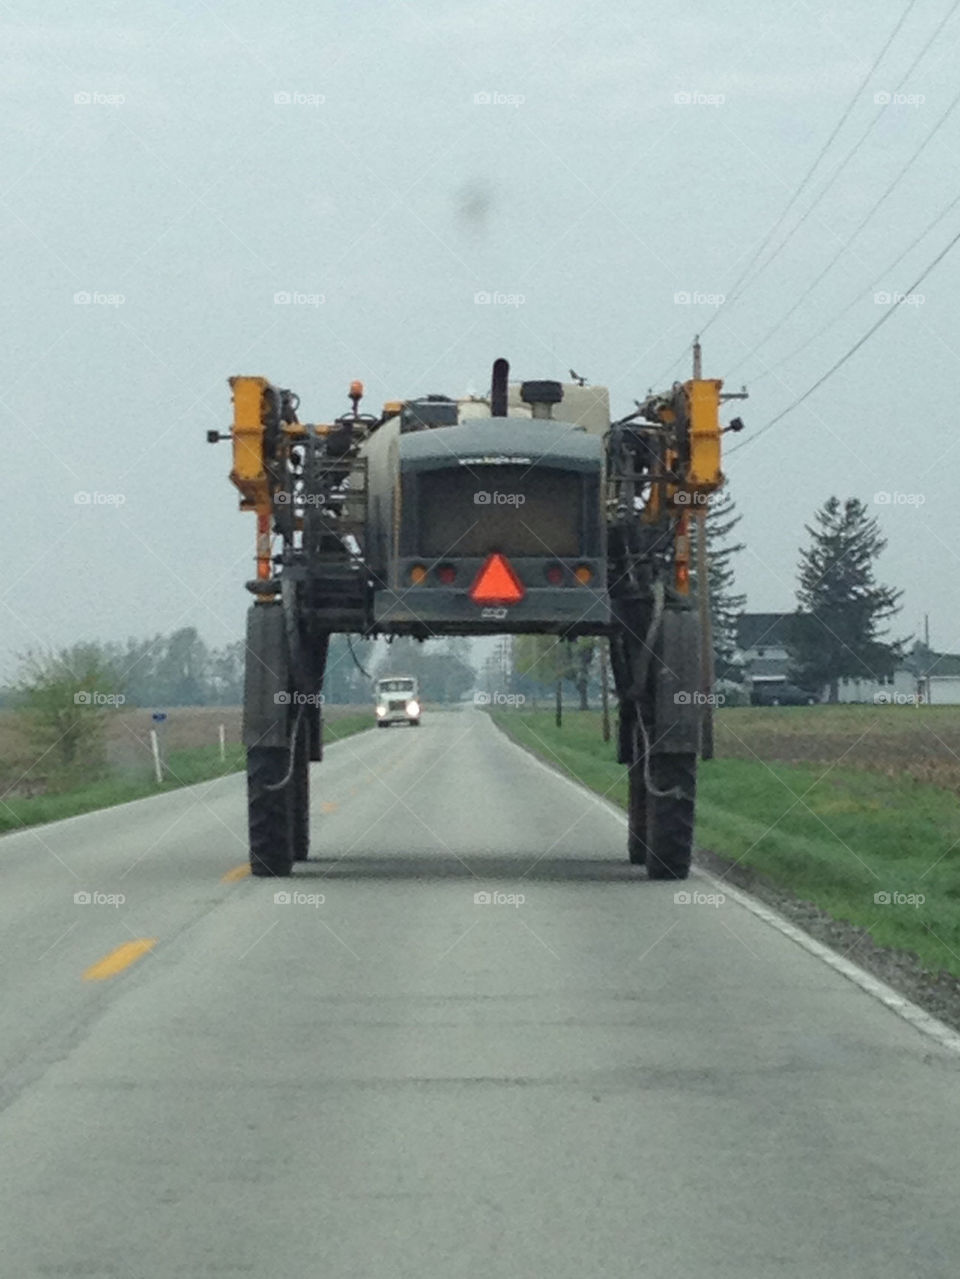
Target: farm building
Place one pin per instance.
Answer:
(761, 648)
(900, 688)
(937, 676)
(924, 675)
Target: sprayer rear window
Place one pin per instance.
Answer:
(520, 510)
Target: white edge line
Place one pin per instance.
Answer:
(921, 1020)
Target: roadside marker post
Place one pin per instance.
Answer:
(155, 748)
(159, 719)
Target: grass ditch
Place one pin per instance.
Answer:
(184, 767)
(876, 851)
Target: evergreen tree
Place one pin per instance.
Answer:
(836, 631)
(725, 604)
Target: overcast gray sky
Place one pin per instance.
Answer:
(196, 160)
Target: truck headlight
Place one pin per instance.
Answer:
(381, 711)
(413, 709)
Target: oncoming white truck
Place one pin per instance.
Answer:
(397, 701)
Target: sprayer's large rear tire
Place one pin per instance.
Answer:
(300, 800)
(670, 821)
(637, 816)
(271, 835)
(638, 802)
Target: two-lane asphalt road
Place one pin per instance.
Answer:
(368, 1070)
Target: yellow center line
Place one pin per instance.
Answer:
(120, 958)
(329, 806)
(238, 872)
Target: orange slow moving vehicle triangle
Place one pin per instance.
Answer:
(497, 583)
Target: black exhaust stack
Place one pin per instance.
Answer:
(498, 388)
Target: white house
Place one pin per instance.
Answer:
(937, 676)
(898, 689)
(762, 652)
(761, 648)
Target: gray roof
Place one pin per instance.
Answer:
(757, 630)
(938, 664)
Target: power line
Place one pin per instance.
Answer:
(883, 274)
(810, 172)
(679, 360)
(843, 248)
(855, 148)
(853, 350)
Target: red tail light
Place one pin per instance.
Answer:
(447, 574)
(555, 574)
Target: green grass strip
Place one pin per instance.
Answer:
(836, 837)
(184, 768)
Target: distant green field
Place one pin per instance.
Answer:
(830, 833)
(921, 742)
(185, 767)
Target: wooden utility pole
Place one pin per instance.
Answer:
(604, 692)
(706, 615)
(706, 639)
